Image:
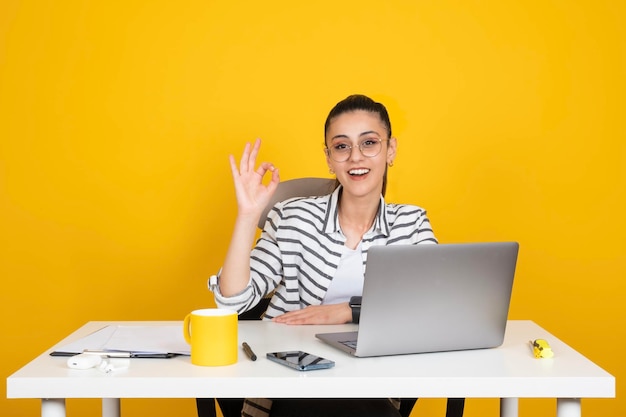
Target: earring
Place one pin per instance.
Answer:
(330, 170)
(390, 164)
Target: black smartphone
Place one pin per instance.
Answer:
(302, 361)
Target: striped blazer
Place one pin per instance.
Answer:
(300, 247)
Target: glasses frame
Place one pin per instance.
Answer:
(329, 151)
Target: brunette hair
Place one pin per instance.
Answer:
(359, 102)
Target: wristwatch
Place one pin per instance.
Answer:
(355, 305)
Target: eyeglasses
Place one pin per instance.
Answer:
(340, 152)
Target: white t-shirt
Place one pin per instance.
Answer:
(348, 280)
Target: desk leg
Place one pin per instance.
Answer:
(53, 407)
(568, 407)
(111, 407)
(509, 407)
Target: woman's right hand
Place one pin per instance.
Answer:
(252, 195)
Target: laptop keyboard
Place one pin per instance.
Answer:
(350, 343)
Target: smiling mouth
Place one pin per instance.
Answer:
(358, 172)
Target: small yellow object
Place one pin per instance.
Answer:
(541, 349)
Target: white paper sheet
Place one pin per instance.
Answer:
(148, 339)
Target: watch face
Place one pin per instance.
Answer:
(355, 301)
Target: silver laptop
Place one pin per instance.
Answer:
(432, 298)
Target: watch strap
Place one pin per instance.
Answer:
(355, 306)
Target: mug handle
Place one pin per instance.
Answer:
(186, 333)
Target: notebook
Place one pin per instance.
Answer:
(432, 298)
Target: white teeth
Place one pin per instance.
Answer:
(358, 171)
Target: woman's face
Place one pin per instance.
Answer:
(359, 174)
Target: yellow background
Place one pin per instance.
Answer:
(117, 119)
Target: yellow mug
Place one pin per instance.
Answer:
(212, 334)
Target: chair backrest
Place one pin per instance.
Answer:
(299, 187)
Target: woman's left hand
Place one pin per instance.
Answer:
(322, 314)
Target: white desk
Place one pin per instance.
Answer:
(508, 372)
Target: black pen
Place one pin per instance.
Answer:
(249, 352)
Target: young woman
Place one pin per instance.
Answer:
(312, 251)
